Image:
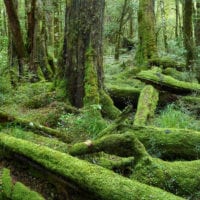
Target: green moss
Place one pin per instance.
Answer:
(6, 184)
(168, 81)
(180, 178)
(146, 105)
(167, 62)
(108, 108)
(169, 143)
(101, 183)
(37, 139)
(20, 192)
(120, 91)
(91, 81)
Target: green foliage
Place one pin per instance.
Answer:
(88, 122)
(171, 117)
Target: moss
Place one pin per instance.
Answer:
(108, 108)
(101, 183)
(147, 47)
(37, 128)
(123, 92)
(168, 143)
(20, 192)
(91, 81)
(37, 139)
(180, 178)
(146, 105)
(6, 183)
(167, 81)
(167, 62)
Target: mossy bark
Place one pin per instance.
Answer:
(147, 47)
(82, 51)
(101, 183)
(147, 103)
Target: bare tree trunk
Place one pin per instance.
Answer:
(121, 22)
(15, 30)
(188, 33)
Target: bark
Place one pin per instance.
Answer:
(15, 29)
(93, 179)
(82, 51)
(147, 48)
(16, 47)
(119, 32)
(188, 33)
(197, 24)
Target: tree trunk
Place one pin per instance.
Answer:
(188, 33)
(147, 48)
(82, 51)
(16, 33)
(197, 24)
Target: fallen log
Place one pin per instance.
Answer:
(167, 82)
(101, 183)
(117, 122)
(147, 103)
(167, 62)
(167, 143)
(35, 127)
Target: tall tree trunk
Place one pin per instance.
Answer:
(82, 51)
(177, 18)
(147, 47)
(188, 33)
(164, 24)
(197, 24)
(16, 33)
(119, 32)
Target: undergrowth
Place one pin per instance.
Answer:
(174, 117)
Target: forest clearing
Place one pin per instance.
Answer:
(99, 99)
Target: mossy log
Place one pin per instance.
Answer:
(167, 62)
(121, 118)
(37, 128)
(101, 183)
(108, 108)
(167, 82)
(16, 191)
(147, 103)
(130, 93)
(168, 143)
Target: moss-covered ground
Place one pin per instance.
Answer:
(169, 133)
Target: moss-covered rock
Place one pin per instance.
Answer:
(147, 103)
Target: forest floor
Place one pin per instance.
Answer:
(43, 103)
